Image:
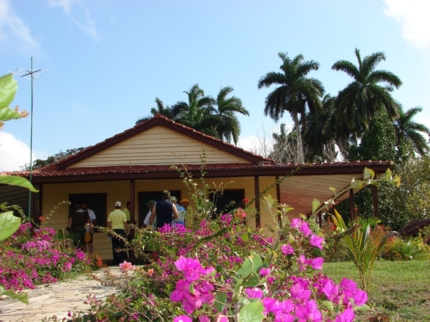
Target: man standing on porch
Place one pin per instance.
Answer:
(165, 211)
(117, 221)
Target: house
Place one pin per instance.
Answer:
(135, 166)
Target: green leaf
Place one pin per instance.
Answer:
(252, 312)
(8, 87)
(357, 184)
(245, 237)
(315, 205)
(16, 296)
(8, 224)
(363, 307)
(386, 176)
(251, 281)
(251, 265)
(328, 305)
(17, 181)
(332, 189)
(368, 174)
(220, 301)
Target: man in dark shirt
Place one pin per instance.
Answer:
(78, 217)
(165, 211)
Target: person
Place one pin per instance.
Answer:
(165, 212)
(181, 212)
(150, 204)
(78, 217)
(89, 228)
(117, 221)
(126, 210)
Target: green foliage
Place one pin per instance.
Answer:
(377, 143)
(8, 224)
(362, 245)
(409, 248)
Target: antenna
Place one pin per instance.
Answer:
(30, 75)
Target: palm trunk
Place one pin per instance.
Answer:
(300, 157)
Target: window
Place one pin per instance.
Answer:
(95, 201)
(227, 200)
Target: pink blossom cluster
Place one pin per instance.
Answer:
(36, 259)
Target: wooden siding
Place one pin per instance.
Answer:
(299, 191)
(158, 146)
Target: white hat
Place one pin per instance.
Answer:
(118, 204)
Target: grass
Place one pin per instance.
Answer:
(400, 290)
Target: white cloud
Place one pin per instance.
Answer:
(88, 26)
(13, 29)
(65, 4)
(413, 17)
(15, 153)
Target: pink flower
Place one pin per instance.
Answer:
(309, 312)
(254, 293)
(303, 262)
(126, 266)
(264, 271)
(204, 318)
(331, 290)
(221, 318)
(190, 267)
(299, 292)
(304, 228)
(295, 223)
(287, 249)
(317, 241)
(317, 263)
(346, 316)
(182, 318)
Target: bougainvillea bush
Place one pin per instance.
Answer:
(33, 255)
(227, 271)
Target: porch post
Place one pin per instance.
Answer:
(257, 200)
(351, 204)
(375, 201)
(132, 213)
(278, 197)
(132, 200)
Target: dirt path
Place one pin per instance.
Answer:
(55, 299)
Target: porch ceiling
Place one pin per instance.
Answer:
(299, 191)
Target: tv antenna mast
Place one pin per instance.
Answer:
(30, 75)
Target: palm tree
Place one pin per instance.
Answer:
(197, 108)
(409, 133)
(322, 131)
(364, 97)
(160, 109)
(295, 92)
(224, 120)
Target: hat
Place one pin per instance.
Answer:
(150, 203)
(173, 199)
(184, 200)
(118, 204)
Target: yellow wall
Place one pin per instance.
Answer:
(119, 190)
(161, 146)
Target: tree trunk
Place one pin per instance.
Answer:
(300, 158)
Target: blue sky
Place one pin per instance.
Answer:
(104, 62)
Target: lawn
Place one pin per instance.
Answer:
(400, 290)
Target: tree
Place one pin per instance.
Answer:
(197, 108)
(322, 131)
(295, 92)
(40, 163)
(409, 133)
(364, 97)
(224, 120)
(160, 109)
